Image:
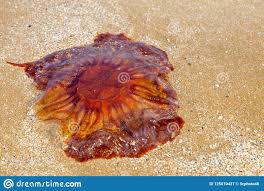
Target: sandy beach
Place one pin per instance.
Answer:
(216, 48)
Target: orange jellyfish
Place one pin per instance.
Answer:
(112, 98)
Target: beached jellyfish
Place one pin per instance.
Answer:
(112, 98)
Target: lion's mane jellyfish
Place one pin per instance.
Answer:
(112, 98)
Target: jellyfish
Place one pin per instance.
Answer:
(111, 98)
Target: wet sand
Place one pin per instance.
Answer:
(216, 47)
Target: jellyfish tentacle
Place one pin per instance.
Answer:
(24, 65)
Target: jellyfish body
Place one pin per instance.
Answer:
(112, 98)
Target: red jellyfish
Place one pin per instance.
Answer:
(112, 98)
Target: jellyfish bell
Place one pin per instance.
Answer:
(112, 97)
